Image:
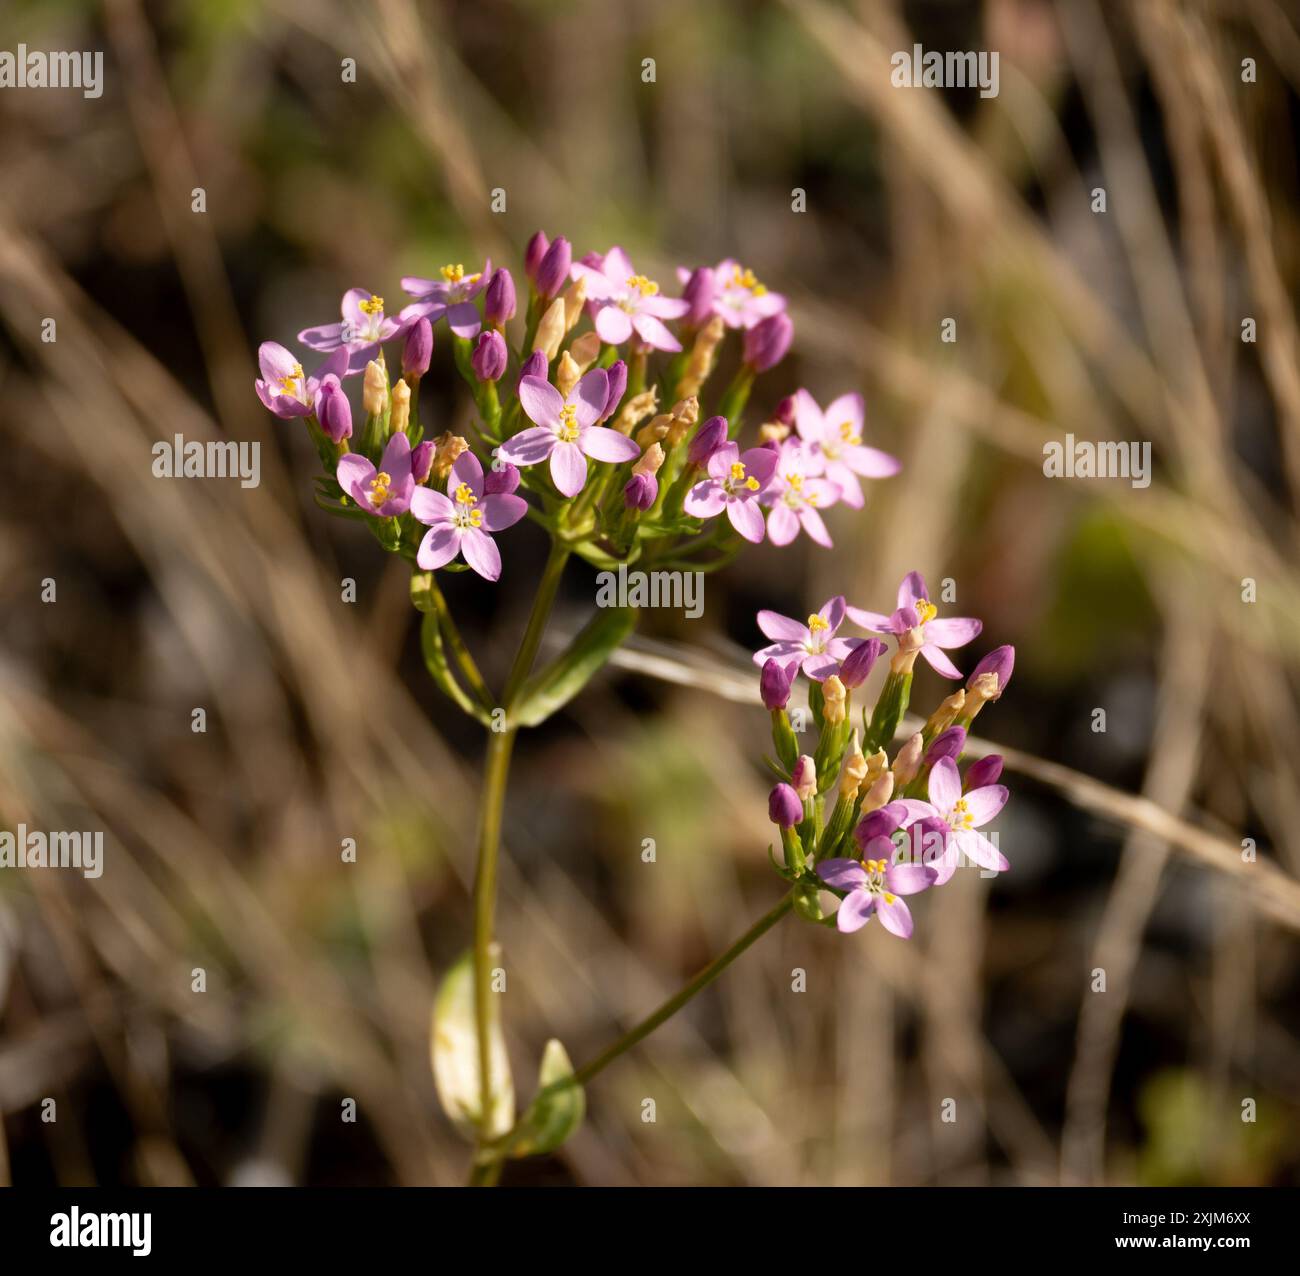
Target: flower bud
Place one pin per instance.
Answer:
(684, 416)
(699, 292)
(490, 355)
(654, 431)
(881, 790)
(785, 411)
(804, 777)
(550, 332)
(636, 409)
(944, 716)
(858, 663)
(333, 410)
(774, 684)
(422, 460)
(500, 482)
(617, 375)
(948, 744)
(649, 461)
(711, 435)
(401, 409)
(878, 823)
(834, 694)
(767, 342)
(877, 764)
(567, 374)
(534, 253)
(449, 447)
(374, 389)
(855, 771)
(533, 366)
(641, 491)
(999, 662)
(575, 298)
(703, 355)
(585, 349)
(983, 772)
(499, 299)
(553, 268)
(784, 808)
(908, 761)
(773, 432)
(418, 348)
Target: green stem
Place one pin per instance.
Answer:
(536, 627)
(451, 635)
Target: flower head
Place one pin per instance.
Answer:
(460, 521)
(624, 302)
(364, 326)
(958, 816)
(795, 496)
(384, 492)
(735, 483)
(916, 612)
(450, 296)
(284, 387)
(834, 442)
(737, 295)
(565, 430)
(875, 885)
(813, 647)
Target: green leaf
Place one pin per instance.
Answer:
(453, 1045)
(559, 682)
(557, 1111)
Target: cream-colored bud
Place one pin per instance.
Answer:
(401, 412)
(855, 771)
(447, 447)
(650, 460)
(567, 373)
(908, 761)
(833, 693)
(804, 777)
(773, 432)
(574, 299)
(945, 715)
(982, 690)
(881, 790)
(585, 349)
(877, 765)
(700, 366)
(551, 330)
(374, 389)
(909, 645)
(656, 430)
(636, 409)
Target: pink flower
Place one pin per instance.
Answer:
(957, 816)
(874, 886)
(566, 430)
(283, 386)
(916, 611)
(813, 647)
(451, 296)
(738, 296)
(734, 484)
(459, 522)
(795, 495)
(834, 441)
(384, 492)
(363, 328)
(624, 302)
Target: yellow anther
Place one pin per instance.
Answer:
(795, 481)
(849, 434)
(453, 274)
(288, 380)
(737, 471)
(816, 622)
(925, 611)
(375, 306)
(890, 899)
(380, 487)
(464, 495)
(748, 280)
(646, 287)
(752, 484)
(476, 518)
(568, 431)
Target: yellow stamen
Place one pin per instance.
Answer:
(464, 495)
(380, 487)
(889, 899)
(849, 434)
(925, 611)
(816, 622)
(453, 274)
(752, 484)
(568, 431)
(287, 382)
(375, 306)
(737, 471)
(646, 287)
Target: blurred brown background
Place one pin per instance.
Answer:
(223, 848)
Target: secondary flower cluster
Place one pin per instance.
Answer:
(567, 411)
(896, 826)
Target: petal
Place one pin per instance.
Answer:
(463, 319)
(939, 662)
(466, 469)
(653, 332)
(782, 524)
(976, 847)
(870, 462)
(910, 589)
(908, 879)
(820, 492)
(784, 653)
(782, 628)
(832, 612)
(613, 325)
(723, 458)
(705, 500)
(541, 402)
(895, 918)
(603, 444)
(847, 482)
(432, 507)
(502, 510)
(747, 519)
(353, 474)
(568, 468)
(351, 308)
(811, 522)
(855, 911)
(665, 307)
(984, 804)
(396, 461)
(848, 409)
(275, 361)
(528, 447)
(955, 631)
(481, 553)
(873, 621)
(440, 545)
(945, 785)
(808, 418)
(843, 874)
(760, 462)
(588, 397)
(329, 336)
(819, 668)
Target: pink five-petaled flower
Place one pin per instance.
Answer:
(363, 327)
(384, 492)
(734, 483)
(452, 295)
(957, 816)
(795, 495)
(834, 439)
(624, 302)
(284, 388)
(916, 611)
(813, 647)
(738, 297)
(874, 886)
(459, 522)
(566, 430)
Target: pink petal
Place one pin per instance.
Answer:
(954, 631)
(984, 804)
(895, 918)
(939, 662)
(440, 545)
(528, 447)
(782, 524)
(653, 332)
(353, 474)
(911, 588)
(466, 469)
(541, 403)
(832, 612)
(781, 628)
(808, 418)
(945, 785)
(747, 519)
(873, 621)
(760, 462)
(855, 911)
(481, 553)
(843, 874)
(816, 529)
(432, 507)
(568, 468)
(603, 444)
(501, 511)
(870, 462)
(908, 879)
(613, 325)
(588, 397)
(705, 500)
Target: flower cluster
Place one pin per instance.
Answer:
(897, 826)
(570, 427)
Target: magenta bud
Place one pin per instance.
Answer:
(858, 663)
(783, 807)
(641, 491)
(767, 341)
(879, 823)
(534, 253)
(333, 410)
(533, 366)
(422, 460)
(490, 355)
(985, 771)
(553, 269)
(499, 300)
(1000, 661)
(418, 349)
(947, 744)
(500, 482)
(699, 292)
(710, 436)
(617, 377)
(785, 410)
(775, 682)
